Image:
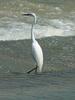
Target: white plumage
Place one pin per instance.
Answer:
(36, 48)
(37, 54)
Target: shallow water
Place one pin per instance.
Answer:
(57, 81)
(45, 86)
(55, 29)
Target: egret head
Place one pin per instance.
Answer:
(31, 14)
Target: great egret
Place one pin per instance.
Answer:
(36, 49)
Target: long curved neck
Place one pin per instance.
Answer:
(32, 34)
(34, 22)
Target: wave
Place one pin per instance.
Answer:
(13, 30)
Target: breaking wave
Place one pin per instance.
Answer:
(13, 30)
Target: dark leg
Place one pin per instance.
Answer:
(36, 69)
(32, 70)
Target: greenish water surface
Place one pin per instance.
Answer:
(57, 81)
(55, 29)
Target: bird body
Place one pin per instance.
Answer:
(37, 55)
(36, 48)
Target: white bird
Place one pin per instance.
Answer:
(36, 48)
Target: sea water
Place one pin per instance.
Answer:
(55, 32)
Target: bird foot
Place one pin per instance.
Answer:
(33, 70)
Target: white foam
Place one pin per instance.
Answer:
(20, 30)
